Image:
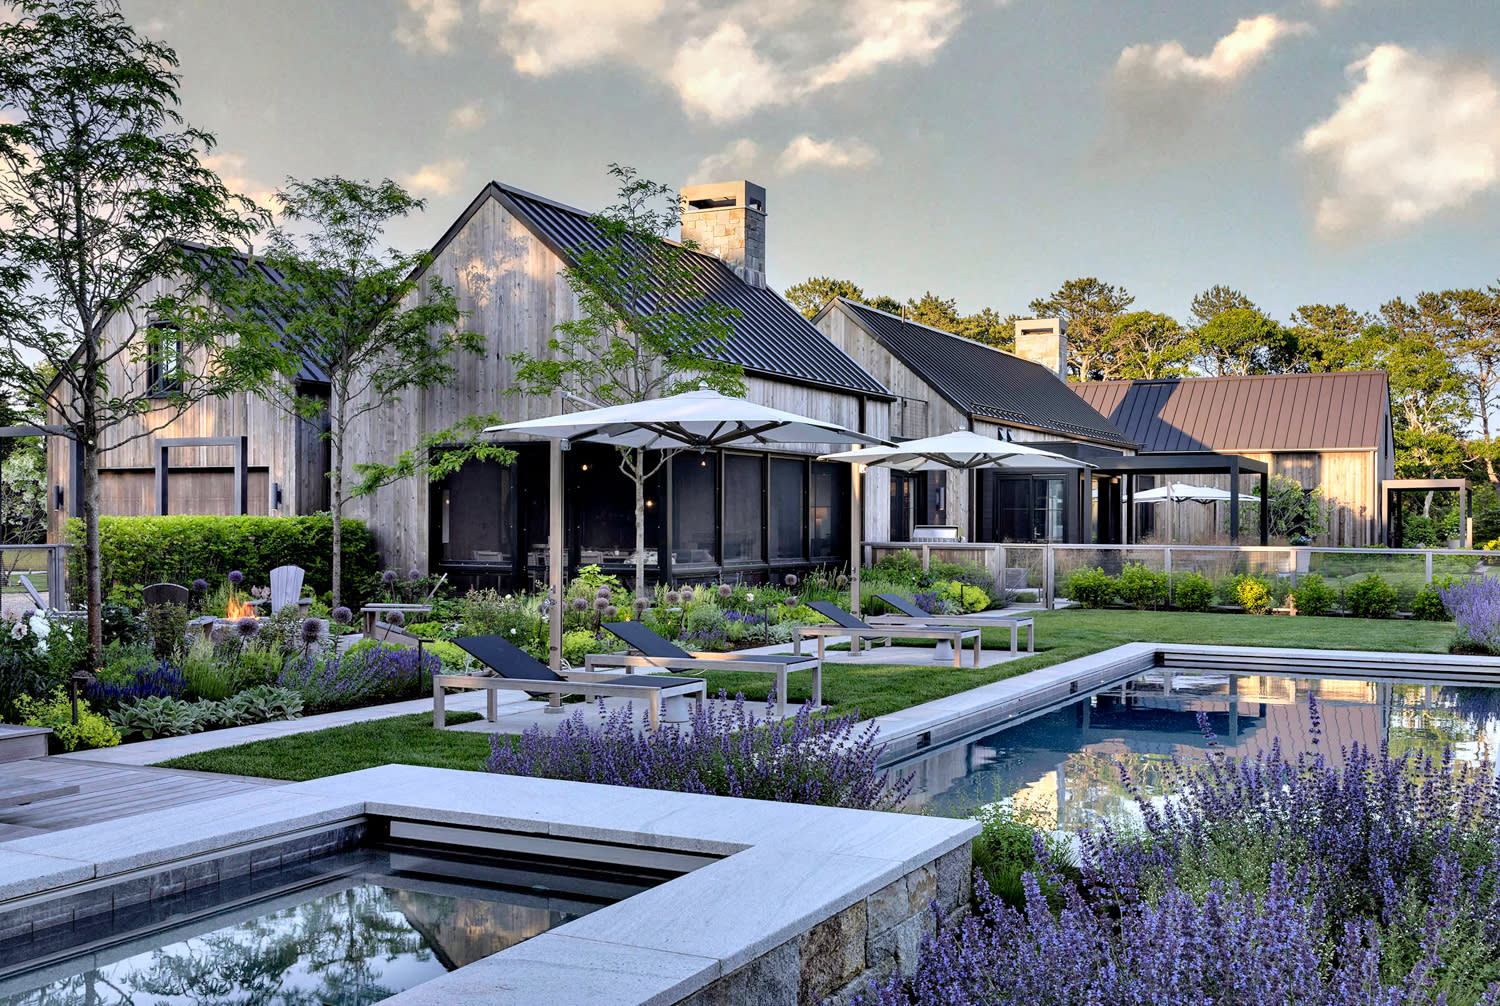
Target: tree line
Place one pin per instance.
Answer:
(1440, 349)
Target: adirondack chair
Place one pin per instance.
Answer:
(286, 588)
(43, 606)
(164, 593)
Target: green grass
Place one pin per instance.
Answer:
(871, 690)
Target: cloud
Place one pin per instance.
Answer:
(429, 25)
(231, 171)
(1417, 135)
(545, 36)
(740, 159)
(721, 76)
(889, 31)
(1232, 56)
(806, 152)
(467, 118)
(440, 178)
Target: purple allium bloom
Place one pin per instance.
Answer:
(414, 574)
(342, 615)
(388, 577)
(641, 604)
(312, 630)
(725, 591)
(791, 602)
(790, 579)
(725, 749)
(611, 613)
(236, 577)
(395, 618)
(600, 603)
(200, 586)
(603, 592)
(247, 627)
(579, 604)
(673, 597)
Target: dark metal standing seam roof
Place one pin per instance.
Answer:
(1270, 412)
(983, 381)
(770, 336)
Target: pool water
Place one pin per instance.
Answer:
(346, 930)
(1063, 765)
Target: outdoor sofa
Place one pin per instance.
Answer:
(516, 670)
(663, 655)
(858, 630)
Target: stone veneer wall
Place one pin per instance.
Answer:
(840, 955)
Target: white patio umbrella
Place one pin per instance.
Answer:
(960, 449)
(699, 419)
(1180, 492)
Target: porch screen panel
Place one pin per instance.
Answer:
(695, 505)
(830, 509)
(788, 499)
(476, 524)
(744, 507)
(605, 507)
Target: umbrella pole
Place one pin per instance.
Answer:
(856, 537)
(555, 553)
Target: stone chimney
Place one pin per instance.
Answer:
(1044, 341)
(728, 219)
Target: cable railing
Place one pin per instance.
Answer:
(44, 567)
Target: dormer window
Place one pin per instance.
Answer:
(163, 360)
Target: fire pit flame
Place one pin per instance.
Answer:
(238, 609)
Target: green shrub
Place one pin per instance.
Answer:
(93, 730)
(1371, 597)
(1192, 591)
(260, 705)
(456, 660)
(166, 624)
(1141, 587)
(1313, 596)
(579, 643)
(1006, 850)
(1092, 588)
(967, 598)
(160, 716)
(429, 630)
(902, 567)
(704, 619)
(1428, 606)
(1253, 594)
(179, 549)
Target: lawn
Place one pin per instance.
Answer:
(869, 690)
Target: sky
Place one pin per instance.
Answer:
(1314, 151)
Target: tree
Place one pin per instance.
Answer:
(1295, 512)
(1214, 301)
(1469, 322)
(933, 311)
(989, 327)
(811, 294)
(99, 179)
(23, 492)
(1331, 337)
(1240, 340)
(1089, 307)
(643, 329)
(1144, 344)
(331, 292)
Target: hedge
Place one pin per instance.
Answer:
(136, 551)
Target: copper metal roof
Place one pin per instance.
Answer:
(1271, 412)
(985, 382)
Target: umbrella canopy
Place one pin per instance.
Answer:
(961, 449)
(702, 419)
(1181, 492)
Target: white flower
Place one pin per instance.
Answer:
(749, 597)
(18, 631)
(512, 632)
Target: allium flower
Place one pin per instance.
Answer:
(842, 581)
(791, 602)
(247, 627)
(342, 615)
(673, 597)
(200, 586)
(236, 577)
(388, 577)
(600, 603)
(603, 592)
(579, 604)
(414, 574)
(312, 630)
(611, 613)
(395, 618)
(750, 597)
(641, 604)
(725, 590)
(790, 579)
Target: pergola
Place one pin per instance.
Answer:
(1390, 509)
(1232, 465)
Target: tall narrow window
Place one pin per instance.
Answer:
(163, 360)
(695, 509)
(788, 509)
(744, 507)
(830, 510)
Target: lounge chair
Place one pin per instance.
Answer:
(913, 615)
(659, 654)
(45, 608)
(516, 670)
(857, 629)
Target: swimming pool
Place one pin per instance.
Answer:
(1063, 762)
(347, 929)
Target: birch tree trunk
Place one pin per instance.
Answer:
(336, 491)
(639, 473)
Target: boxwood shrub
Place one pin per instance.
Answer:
(1091, 588)
(1371, 597)
(1192, 591)
(1313, 595)
(136, 551)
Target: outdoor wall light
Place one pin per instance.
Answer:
(275, 495)
(583, 468)
(57, 497)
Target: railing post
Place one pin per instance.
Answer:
(1427, 555)
(926, 557)
(1049, 571)
(1000, 577)
(1166, 567)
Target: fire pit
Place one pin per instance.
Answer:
(233, 613)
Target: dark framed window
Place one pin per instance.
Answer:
(1027, 508)
(829, 512)
(788, 505)
(477, 516)
(695, 509)
(744, 507)
(603, 499)
(163, 360)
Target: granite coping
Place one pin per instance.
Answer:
(785, 867)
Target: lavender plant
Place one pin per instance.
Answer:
(725, 749)
(156, 679)
(1475, 605)
(365, 674)
(1360, 878)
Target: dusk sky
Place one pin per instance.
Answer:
(1315, 151)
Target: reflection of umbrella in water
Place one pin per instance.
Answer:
(1181, 492)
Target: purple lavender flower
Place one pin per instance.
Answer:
(159, 679)
(360, 677)
(236, 577)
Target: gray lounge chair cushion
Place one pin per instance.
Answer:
(510, 661)
(652, 645)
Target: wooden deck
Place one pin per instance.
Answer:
(106, 792)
